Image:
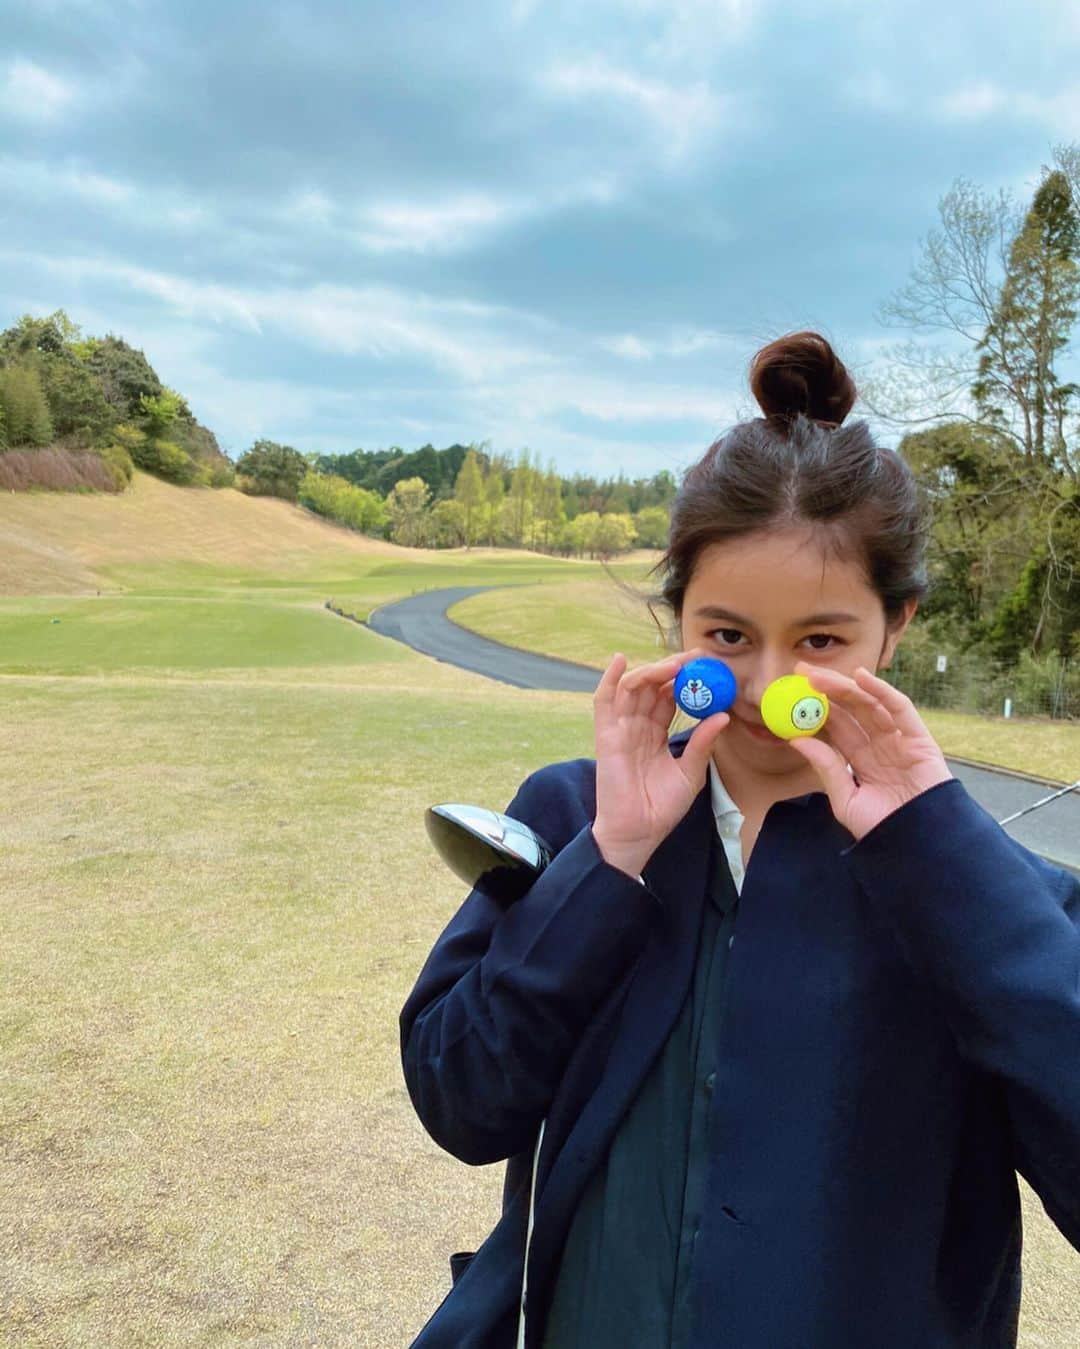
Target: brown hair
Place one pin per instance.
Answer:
(798, 466)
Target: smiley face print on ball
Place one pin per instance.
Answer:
(790, 707)
(703, 687)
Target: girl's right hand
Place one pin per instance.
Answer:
(642, 790)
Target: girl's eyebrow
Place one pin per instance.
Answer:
(829, 619)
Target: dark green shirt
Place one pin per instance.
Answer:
(626, 1271)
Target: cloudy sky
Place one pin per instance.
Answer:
(560, 226)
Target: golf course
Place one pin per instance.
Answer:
(218, 892)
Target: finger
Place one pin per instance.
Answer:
(835, 684)
(604, 694)
(632, 694)
(698, 749)
(841, 689)
(844, 732)
(872, 719)
(662, 670)
(897, 704)
(830, 768)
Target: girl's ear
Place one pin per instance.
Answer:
(895, 632)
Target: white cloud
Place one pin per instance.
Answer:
(628, 346)
(309, 207)
(679, 116)
(450, 224)
(678, 343)
(472, 340)
(535, 394)
(971, 102)
(44, 180)
(872, 89)
(690, 34)
(34, 93)
(1058, 111)
(445, 226)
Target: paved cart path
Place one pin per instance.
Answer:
(421, 622)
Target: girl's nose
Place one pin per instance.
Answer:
(763, 674)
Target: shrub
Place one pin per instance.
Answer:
(57, 469)
(118, 461)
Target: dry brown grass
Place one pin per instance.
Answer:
(55, 469)
(156, 521)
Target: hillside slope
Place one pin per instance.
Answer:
(53, 542)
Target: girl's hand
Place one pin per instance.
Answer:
(642, 790)
(876, 729)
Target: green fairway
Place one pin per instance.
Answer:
(83, 636)
(218, 892)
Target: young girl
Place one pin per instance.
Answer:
(766, 1043)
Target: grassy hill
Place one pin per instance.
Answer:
(69, 543)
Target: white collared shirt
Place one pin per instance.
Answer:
(729, 820)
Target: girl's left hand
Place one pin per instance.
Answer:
(875, 728)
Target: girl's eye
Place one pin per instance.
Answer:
(820, 641)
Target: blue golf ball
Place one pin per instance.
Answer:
(703, 687)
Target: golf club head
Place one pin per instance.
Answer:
(487, 850)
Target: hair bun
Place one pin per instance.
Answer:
(800, 372)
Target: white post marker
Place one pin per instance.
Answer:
(1008, 707)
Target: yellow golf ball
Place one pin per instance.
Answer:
(790, 707)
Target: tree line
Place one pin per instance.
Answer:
(465, 496)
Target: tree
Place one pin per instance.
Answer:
(549, 509)
(340, 500)
(270, 469)
(1030, 327)
(521, 500)
(448, 529)
(406, 506)
(614, 533)
(651, 524)
(26, 413)
(1006, 284)
(38, 337)
(469, 493)
(978, 541)
(77, 406)
(494, 493)
(125, 375)
(968, 283)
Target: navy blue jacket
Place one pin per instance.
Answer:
(902, 1034)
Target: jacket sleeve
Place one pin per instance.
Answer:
(996, 930)
(505, 993)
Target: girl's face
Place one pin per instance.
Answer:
(766, 600)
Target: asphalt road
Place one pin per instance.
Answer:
(421, 622)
